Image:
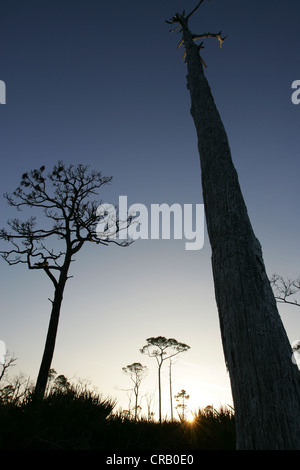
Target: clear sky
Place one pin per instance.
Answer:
(102, 83)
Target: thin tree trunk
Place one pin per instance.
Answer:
(45, 366)
(265, 382)
(136, 402)
(170, 380)
(159, 392)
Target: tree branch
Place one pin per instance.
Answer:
(182, 21)
(210, 35)
(65, 202)
(285, 288)
(8, 362)
(195, 9)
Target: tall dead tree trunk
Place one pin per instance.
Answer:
(265, 382)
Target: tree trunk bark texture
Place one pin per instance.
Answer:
(265, 382)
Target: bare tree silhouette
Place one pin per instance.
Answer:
(63, 197)
(162, 348)
(284, 289)
(136, 372)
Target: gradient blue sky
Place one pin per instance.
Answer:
(102, 83)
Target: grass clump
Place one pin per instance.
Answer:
(66, 419)
(214, 429)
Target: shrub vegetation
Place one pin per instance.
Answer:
(72, 417)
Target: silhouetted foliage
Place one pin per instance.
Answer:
(181, 397)
(66, 418)
(81, 420)
(73, 417)
(216, 428)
